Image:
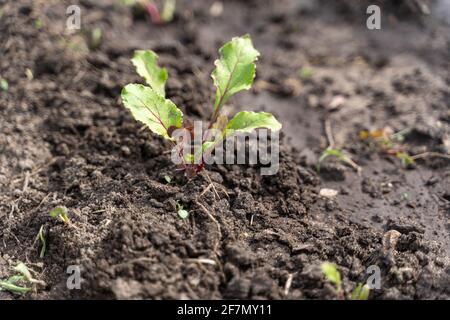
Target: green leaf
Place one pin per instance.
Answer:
(15, 279)
(152, 109)
(332, 274)
(168, 179)
(235, 70)
(406, 159)
(96, 38)
(331, 152)
(38, 23)
(189, 158)
(247, 121)
(23, 269)
(12, 287)
(361, 292)
(306, 73)
(147, 67)
(4, 84)
(183, 214)
(168, 10)
(60, 212)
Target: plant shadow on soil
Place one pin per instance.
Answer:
(66, 140)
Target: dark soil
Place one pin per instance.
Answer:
(65, 139)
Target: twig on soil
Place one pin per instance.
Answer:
(99, 211)
(203, 261)
(132, 261)
(205, 190)
(331, 145)
(212, 184)
(38, 169)
(430, 154)
(216, 245)
(329, 133)
(13, 207)
(353, 165)
(26, 182)
(287, 285)
(40, 203)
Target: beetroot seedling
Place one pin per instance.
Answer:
(168, 179)
(41, 237)
(12, 285)
(340, 155)
(234, 72)
(182, 213)
(60, 213)
(332, 274)
(23, 269)
(389, 142)
(15, 283)
(306, 73)
(361, 292)
(156, 16)
(96, 38)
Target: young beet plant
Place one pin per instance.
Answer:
(361, 292)
(234, 72)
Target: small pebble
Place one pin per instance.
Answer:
(328, 193)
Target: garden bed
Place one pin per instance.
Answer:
(66, 140)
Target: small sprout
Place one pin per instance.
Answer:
(61, 213)
(129, 3)
(157, 17)
(400, 136)
(41, 238)
(29, 74)
(406, 159)
(12, 285)
(364, 134)
(38, 23)
(23, 270)
(361, 292)
(183, 214)
(306, 73)
(332, 274)
(168, 10)
(4, 84)
(234, 72)
(168, 179)
(339, 154)
(96, 38)
(389, 143)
